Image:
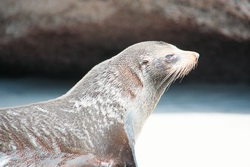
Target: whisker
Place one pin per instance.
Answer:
(181, 75)
(164, 80)
(170, 83)
(173, 77)
(178, 73)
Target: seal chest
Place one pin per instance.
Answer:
(98, 121)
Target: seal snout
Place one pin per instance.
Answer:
(197, 55)
(194, 56)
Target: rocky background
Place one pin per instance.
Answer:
(64, 39)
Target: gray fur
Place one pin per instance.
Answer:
(98, 121)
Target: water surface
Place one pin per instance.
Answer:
(208, 98)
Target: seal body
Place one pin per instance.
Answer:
(98, 121)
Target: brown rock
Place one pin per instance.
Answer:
(66, 38)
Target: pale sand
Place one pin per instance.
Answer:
(195, 140)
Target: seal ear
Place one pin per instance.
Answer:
(145, 60)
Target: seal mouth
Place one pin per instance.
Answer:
(179, 72)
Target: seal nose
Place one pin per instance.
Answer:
(197, 55)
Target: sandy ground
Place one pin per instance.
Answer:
(195, 140)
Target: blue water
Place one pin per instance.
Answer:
(181, 97)
(234, 98)
(14, 92)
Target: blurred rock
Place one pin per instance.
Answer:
(66, 38)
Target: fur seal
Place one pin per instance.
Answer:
(98, 121)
